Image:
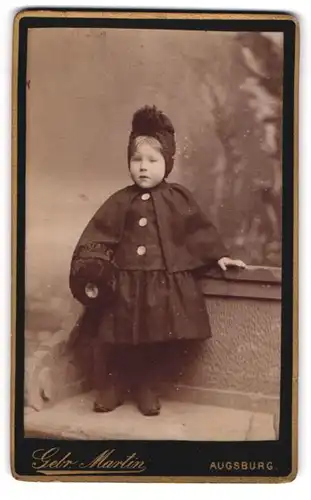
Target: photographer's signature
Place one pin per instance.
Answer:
(53, 461)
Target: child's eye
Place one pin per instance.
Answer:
(152, 160)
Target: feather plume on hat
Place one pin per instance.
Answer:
(151, 122)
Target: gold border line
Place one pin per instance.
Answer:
(91, 472)
(154, 14)
(66, 475)
(14, 201)
(295, 263)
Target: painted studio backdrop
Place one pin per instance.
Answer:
(223, 92)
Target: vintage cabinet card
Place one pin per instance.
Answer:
(154, 246)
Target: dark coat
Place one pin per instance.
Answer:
(189, 241)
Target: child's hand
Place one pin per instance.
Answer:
(91, 291)
(224, 262)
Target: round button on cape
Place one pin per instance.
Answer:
(143, 222)
(141, 250)
(145, 196)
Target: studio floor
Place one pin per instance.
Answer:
(73, 418)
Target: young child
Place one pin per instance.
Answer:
(134, 267)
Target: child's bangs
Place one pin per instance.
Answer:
(145, 139)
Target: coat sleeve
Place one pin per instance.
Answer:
(92, 258)
(202, 237)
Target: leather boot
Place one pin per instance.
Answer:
(106, 382)
(148, 401)
(107, 399)
(145, 394)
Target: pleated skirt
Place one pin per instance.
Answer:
(154, 306)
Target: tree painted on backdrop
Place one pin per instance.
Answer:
(232, 161)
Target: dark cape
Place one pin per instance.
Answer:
(189, 242)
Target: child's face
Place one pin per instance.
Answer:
(147, 164)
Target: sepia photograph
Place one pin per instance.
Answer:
(164, 149)
(153, 239)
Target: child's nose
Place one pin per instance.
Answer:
(143, 167)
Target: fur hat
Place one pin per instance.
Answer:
(149, 121)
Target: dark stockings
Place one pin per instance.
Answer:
(123, 369)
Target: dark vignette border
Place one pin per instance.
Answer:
(168, 458)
